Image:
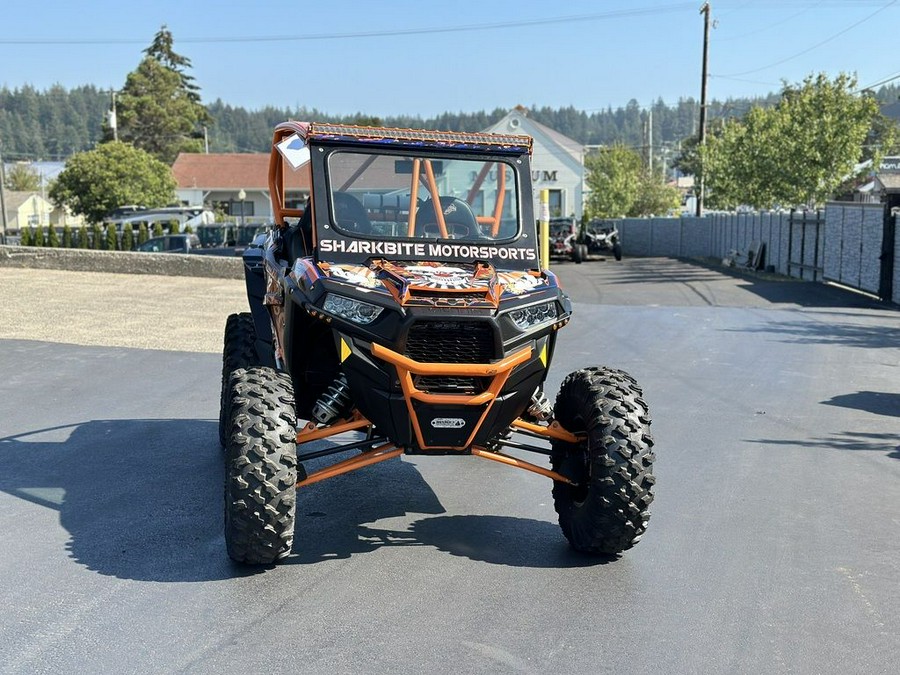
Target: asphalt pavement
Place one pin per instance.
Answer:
(773, 546)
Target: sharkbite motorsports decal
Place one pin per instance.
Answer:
(406, 249)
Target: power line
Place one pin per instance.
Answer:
(815, 46)
(613, 14)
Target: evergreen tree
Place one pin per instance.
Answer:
(83, 239)
(52, 237)
(143, 234)
(26, 237)
(174, 227)
(112, 238)
(159, 107)
(158, 229)
(96, 237)
(67, 236)
(127, 238)
(38, 236)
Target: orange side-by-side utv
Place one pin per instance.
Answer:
(397, 306)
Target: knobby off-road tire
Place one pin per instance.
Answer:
(239, 351)
(608, 511)
(261, 468)
(617, 251)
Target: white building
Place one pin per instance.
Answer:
(556, 165)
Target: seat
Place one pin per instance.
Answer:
(458, 217)
(350, 214)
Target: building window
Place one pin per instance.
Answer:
(556, 203)
(234, 208)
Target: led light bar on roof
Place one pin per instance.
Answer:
(418, 137)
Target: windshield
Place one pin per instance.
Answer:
(371, 197)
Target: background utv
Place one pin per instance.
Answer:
(402, 310)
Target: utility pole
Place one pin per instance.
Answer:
(2, 200)
(701, 134)
(650, 139)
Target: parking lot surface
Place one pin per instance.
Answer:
(773, 544)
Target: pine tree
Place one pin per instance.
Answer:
(83, 237)
(26, 237)
(174, 227)
(112, 238)
(158, 229)
(67, 236)
(159, 108)
(39, 236)
(52, 237)
(143, 234)
(96, 237)
(127, 238)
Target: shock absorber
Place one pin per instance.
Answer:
(540, 409)
(334, 402)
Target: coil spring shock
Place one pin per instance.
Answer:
(540, 409)
(334, 402)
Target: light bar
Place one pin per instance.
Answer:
(387, 135)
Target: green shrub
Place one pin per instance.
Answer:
(112, 238)
(83, 237)
(26, 237)
(143, 234)
(52, 237)
(67, 237)
(127, 238)
(158, 229)
(174, 227)
(96, 237)
(38, 237)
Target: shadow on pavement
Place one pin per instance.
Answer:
(822, 328)
(142, 499)
(779, 289)
(499, 540)
(877, 402)
(847, 440)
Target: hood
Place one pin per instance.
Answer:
(439, 283)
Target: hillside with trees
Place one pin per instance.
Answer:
(58, 122)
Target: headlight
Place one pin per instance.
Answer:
(531, 316)
(351, 309)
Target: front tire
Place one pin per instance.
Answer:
(238, 351)
(617, 251)
(577, 253)
(261, 470)
(607, 512)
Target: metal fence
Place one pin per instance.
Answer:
(852, 244)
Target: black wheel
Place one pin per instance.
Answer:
(584, 251)
(261, 470)
(239, 351)
(577, 254)
(617, 250)
(607, 511)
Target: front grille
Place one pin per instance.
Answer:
(451, 342)
(445, 384)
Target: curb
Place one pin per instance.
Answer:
(122, 262)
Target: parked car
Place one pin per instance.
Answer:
(171, 243)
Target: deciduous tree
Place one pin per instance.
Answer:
(95, 182)
(797, 152)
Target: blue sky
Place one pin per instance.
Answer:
(422, 58)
